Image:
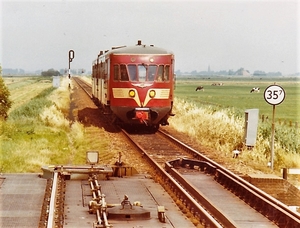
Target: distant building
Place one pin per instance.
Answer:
(242, 72)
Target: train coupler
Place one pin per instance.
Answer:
(142, 114)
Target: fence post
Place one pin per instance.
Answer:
(284, 173)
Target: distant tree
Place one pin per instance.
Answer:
(178, 72)
(223, 72)
(274, 73)
(194, 72)
(5, 102)
(259, 73)
(63, 71)
(50, 72)
(230, 72)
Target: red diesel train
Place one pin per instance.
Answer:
(135, 84)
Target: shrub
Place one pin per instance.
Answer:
(5, 102)
(53, 117)
(216, 129)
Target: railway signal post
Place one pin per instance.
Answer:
(71, 57)
(274, 95)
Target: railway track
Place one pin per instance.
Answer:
(172, 160)
(84, 85)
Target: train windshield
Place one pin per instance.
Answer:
(163, 73)
(132, 72)
(142, 72)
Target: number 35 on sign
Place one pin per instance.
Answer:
(274, 94)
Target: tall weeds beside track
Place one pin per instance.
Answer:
(223, 131)
(37, 133)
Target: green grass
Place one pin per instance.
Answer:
(224, 132)
(236, 95)
(38, 133)
(220, 111)
(26, 142)
(33, 107)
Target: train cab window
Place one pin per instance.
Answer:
(116, 72)
(142, 72)
(132, 72)
(124, 74)
(120, 73)
(160, 73)
(163, 73)
(167, 70)
(151, 72)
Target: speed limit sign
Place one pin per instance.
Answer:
(274, 94)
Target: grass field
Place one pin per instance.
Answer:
(235, 93)
(216, 118)
(23, 89)
(37, 130)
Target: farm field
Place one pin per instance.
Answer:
(38, 120)
(235, 93)
(23, 89)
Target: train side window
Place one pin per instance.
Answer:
(151, 72)
(124, 74)
(99, 72)
(160, 73)
(132, 72)
(116, 72)
(102, 76)
(106, 69)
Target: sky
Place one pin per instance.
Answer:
(220, 34)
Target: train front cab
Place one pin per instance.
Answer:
(142, 88)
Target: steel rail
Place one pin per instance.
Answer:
(267, 205)
(196, 194)
(52, 205)
(196, 209)
(80, 83)
(55, 210)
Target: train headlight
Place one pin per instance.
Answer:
(152, 93)
(131, 93)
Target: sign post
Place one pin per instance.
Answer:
(274, 95)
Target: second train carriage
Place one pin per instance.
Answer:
(136, 84)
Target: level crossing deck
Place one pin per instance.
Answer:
(230, 205)
(22, 196)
